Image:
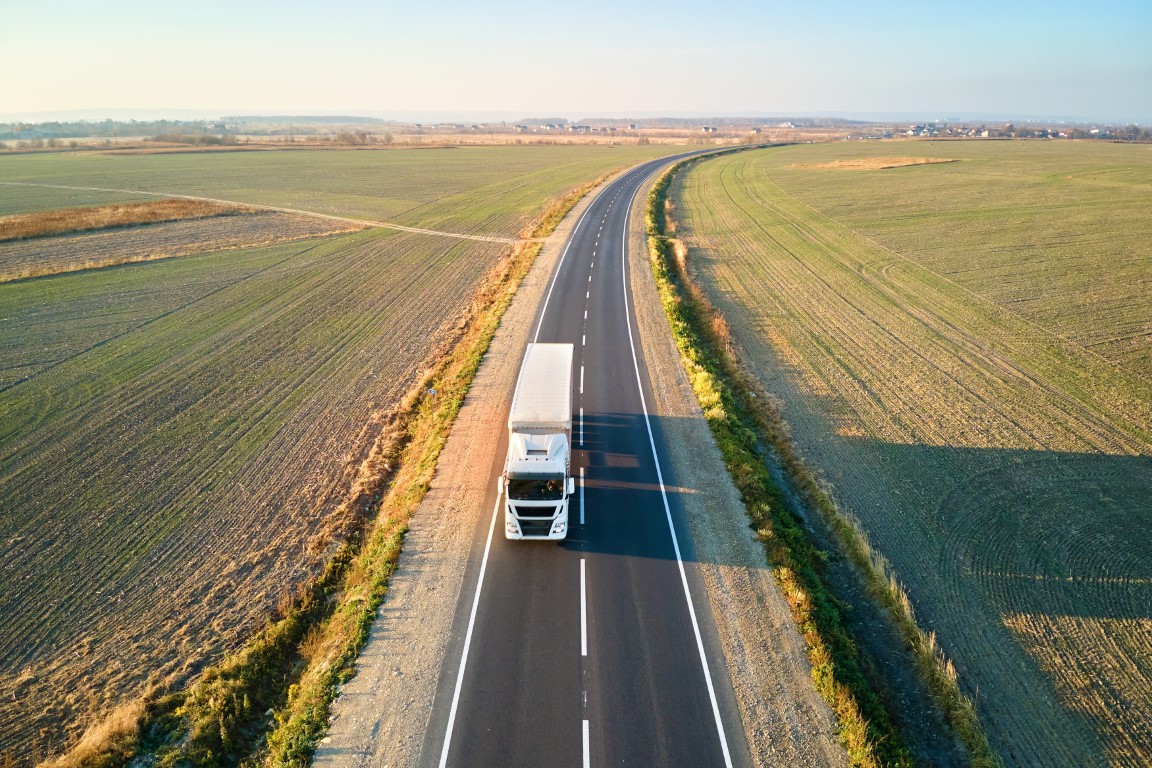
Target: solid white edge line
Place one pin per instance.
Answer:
(583, 611)
(468, 636)
(496, 510)
(491, 530)
(664, 496)
(587, 756)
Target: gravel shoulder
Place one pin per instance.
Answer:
(384, 711)
(785, 720)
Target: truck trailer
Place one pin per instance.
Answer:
(537, 480)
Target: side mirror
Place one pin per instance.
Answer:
(500, 485)
(571, 486)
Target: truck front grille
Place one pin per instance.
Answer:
(535, 527)
(537, 524)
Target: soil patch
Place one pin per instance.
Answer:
(20, 259)
(47, 223)
(876, 163)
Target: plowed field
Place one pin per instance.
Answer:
(175, 434)
(87, 250)
(963, 351)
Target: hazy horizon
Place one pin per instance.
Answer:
(1032, 60)
(480, 116)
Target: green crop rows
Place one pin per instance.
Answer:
(482, 190)
(175, 434)
(963, 351)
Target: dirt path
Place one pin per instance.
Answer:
(383, 713)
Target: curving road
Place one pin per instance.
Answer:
(599, 650)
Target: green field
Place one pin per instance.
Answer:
(482, 190)
(175, 435)
(963, 351)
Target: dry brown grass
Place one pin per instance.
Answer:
(875, 163)
(112, 735)
(47, 223)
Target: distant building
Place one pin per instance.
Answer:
(708, 129)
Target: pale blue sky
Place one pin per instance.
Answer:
(1059, 59)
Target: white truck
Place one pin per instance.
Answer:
(537, 480)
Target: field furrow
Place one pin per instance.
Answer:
(999, 463)
(177, 435)
(195, 450)
(67, 253)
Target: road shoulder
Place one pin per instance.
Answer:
(384, 712)
(785, 720)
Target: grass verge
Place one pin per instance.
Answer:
(743, 421)
(268, 703)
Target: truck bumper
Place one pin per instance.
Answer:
(536, 528)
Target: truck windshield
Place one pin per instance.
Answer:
(537, 488)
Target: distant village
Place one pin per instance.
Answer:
(1011, 131)
(364, 131)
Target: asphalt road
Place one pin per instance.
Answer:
(599, 650)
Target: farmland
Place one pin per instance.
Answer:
(488, 190)
(47, 223)
(106, 248)
(962, 350)
(176, 434)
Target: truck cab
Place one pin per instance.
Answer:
(537, 486)
(537, 480)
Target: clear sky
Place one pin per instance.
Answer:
(710, 57)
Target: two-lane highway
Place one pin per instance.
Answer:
(598, 650)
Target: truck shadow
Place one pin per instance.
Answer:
(1026, 560)
(1034, 531)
